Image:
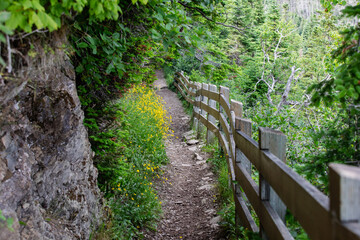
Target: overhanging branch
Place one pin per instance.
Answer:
(209, 19)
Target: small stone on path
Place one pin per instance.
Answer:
(201, 162)
(192, 142)
(210, 211)
(198, 157)
(206, 187)
(214, 222)
(193, 149)
(185, 118)
(186, 165)
(191, 132)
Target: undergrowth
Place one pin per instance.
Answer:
(225, 196)
(226, 200)
(129, 155)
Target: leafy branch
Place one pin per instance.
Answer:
(241, 30)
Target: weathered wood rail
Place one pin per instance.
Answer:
(279, 188)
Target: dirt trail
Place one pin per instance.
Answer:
(188, 195)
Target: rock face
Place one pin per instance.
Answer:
(304, 8)
(307, 8)
(48, 184)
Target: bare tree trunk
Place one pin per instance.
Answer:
(288, 87)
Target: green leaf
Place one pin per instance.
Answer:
(9, 222)
(4, 5)
(355, 95)
(357, 89)
(22, 223)
(340, 87)
(343, 93)
(134, 1)
(17, 19)
(159, 17)
(155, 34)
(110, 68)
(116, 36)
(36, 4)
(26, 4)
(48, 21)
(5, 30)
(34, 18)
(83, 45)
(99, 9)
(79, 69)
(4, 16)
(168, 26)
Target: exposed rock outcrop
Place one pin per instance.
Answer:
(307, 8)
(303, 8)
(48, 184)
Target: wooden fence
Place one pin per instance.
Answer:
(279, 188)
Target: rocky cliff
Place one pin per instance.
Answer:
(306, 8)
(48, 184)
(303, 8)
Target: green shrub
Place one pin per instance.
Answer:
(128, 156)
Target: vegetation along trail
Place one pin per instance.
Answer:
(187, 192)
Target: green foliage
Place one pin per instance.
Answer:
(344, 86)
(329, 4)
(347, 78)
(6, 221)
(337, 140)
(225, 197)
(248, 14)
(294, 227)
(27, 14)
(129, 153)
(109, 57)
(4, 16)
(271, 42)
(288, 120)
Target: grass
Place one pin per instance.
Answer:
(225, 196)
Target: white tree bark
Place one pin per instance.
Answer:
(288, 86)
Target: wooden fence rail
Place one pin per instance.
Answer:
(279, 188)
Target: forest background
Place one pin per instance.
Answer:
(299, 74)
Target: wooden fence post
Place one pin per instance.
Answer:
(175, 80)
(244, 126)
(237, 108)
(196, 109)
(275, 142)
(344, 200)
(210, 136)
(203, 112)
(226, 92)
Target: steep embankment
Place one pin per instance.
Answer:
(188, 194)
(48, 184)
